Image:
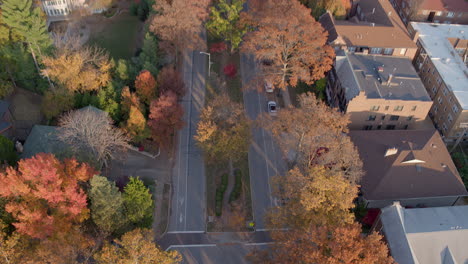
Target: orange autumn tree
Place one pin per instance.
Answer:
(44, 194)
(136, 125)
(289, 41)
(145, 86)
(325, 245)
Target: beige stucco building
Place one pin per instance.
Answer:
(378, 92)
(441, 64)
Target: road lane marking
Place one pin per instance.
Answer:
(191, 246)
(185, 232)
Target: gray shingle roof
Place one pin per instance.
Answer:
(44, 139)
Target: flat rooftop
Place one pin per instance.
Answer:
(386, 77)
(436, 235)
(435, 40)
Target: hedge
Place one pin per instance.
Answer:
(220, 194)
(235, 194)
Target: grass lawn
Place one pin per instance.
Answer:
(119, 36)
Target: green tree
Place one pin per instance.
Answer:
(107, 206)
(7, 151)
(108, 98)
(148, 59)
(225, 22)
(26, 21)
(138, 203)
(56, 102)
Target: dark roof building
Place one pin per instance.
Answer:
(410, 166)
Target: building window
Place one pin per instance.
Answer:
(450, 14)
(445, 92)
(439, 13)
(436, 21)
(351, 49)
(383, 117)
(398, 108)
(367, 127)
(414, 108)
(409, 118)
(376, 51)
(405, 127)
(402, 51)
(379, 127)
(388, 51)
(371, 118)
(447, 22)
(386, 107)
(375, 108)
(390, 127)
(436, 109)
(394, 118)
(444, 127)
(439, 100)
(450, 118)
(455, 109)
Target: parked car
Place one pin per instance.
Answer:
(269, 87)
(272, 108)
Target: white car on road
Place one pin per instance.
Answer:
(272, 108)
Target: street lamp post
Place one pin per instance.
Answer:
(209, 61)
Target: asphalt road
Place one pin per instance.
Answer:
(265, 157)
(189, 198)
(215, 254)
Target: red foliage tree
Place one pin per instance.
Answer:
(145, 86)
(230, 70)
(169, 79)
(218, 47)
(166, 116)
(44, 195)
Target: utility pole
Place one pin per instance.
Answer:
(209, 61)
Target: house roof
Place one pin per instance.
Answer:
(436, 235)
(44, 139)
(421, 166)
(386, 77)
(4, 105)
(435, 40)
(445, 5)
(380, 27)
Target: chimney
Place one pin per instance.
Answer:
(390, 77)
(391, 151)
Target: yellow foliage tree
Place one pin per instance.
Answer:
(320, 196)
(136, 125)
(79, 69)
(136, 246)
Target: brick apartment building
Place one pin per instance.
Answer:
(433, 11)
(441, 64)
(378, 92)
(373, 27)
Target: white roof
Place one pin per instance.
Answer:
(437, 235)
(434, 39)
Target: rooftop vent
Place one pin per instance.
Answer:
(391, 151)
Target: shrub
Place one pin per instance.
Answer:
(220, 194)
(230, 70)
(218, 47)
(7, 151)
(235, 194)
